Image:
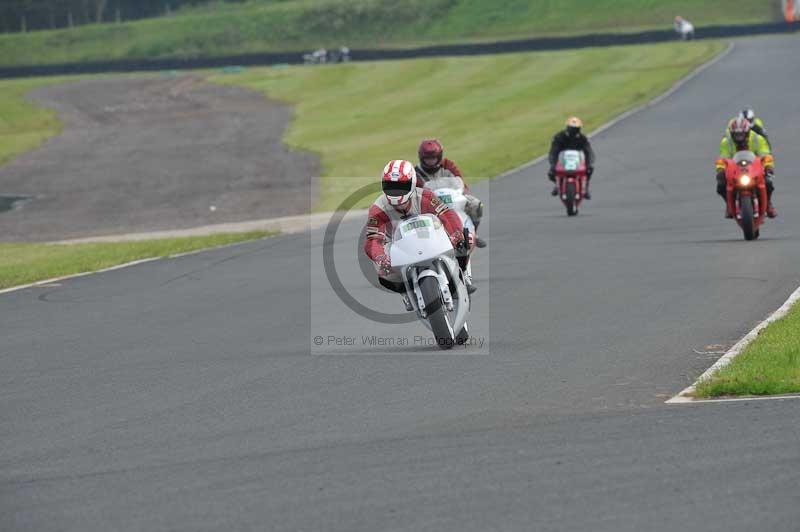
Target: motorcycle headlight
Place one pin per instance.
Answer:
(745, 180)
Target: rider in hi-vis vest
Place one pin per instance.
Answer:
(741, 137)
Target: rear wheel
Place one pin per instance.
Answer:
(437, 316)
(747, 220)
(570, 192)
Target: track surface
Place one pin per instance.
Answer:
(180, 395)
(142, 154)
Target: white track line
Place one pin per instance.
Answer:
(314, 217)
(686, 395)
(73, 276)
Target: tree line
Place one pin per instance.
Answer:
(28, 15)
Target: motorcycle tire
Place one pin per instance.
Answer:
(463, 336)
(437, 314)
(570, 191)
(747, 220)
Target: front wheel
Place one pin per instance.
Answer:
(570, 191)
(437, 315)
(747, 219)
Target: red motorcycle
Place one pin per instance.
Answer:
(746, 192)
(571, 179)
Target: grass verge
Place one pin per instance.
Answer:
(492, 113)
(24, 125)
(281, 25)
(770, 365)
(27, 263)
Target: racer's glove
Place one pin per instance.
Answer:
(551, 174)
(460, 244)
(383, 264)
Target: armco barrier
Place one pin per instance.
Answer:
(522, 45)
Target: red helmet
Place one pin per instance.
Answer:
(399, 181)
(740, 130)
(430, 151)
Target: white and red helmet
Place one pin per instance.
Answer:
(740, 129)
(399, 181)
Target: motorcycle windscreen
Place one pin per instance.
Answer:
(744, 157)
(419, 239)
(571, 160)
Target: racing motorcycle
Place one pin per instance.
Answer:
(421, 250)
(451, 191)
(746, 192)
(571, 179)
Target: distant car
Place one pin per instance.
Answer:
(322, 55)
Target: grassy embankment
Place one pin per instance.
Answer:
(768, 366)
(27, 263)
(282, 25)
(23, 125)
(491, 112)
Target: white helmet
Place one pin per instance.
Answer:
(399, 181)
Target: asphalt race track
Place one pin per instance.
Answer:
(182, 394)
(155, 152)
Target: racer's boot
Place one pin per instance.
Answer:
(471, 288)
(479, 242)
(554, 192)
(587, 195)
(771, 212)
(728, 213)
(466, 269)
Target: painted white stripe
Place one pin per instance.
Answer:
(686, 395)
(75, 275)
(691, 401)
(655, 101)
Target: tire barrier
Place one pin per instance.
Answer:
(484, 48)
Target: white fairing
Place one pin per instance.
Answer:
(571, 160)
(451, 191)
(421, 248)
(419, 239)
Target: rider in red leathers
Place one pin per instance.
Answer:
(402, 198)
(433, 164)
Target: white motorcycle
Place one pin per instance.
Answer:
(451, 191)
(421, 250)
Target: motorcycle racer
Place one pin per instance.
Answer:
(756, 124)
(571, 138)
(402, 198)
(433, 164)
(738, 137)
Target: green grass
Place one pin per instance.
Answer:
(28, 263)
(491, 112)
(281, 25)
(23, 125)
(770, 365)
